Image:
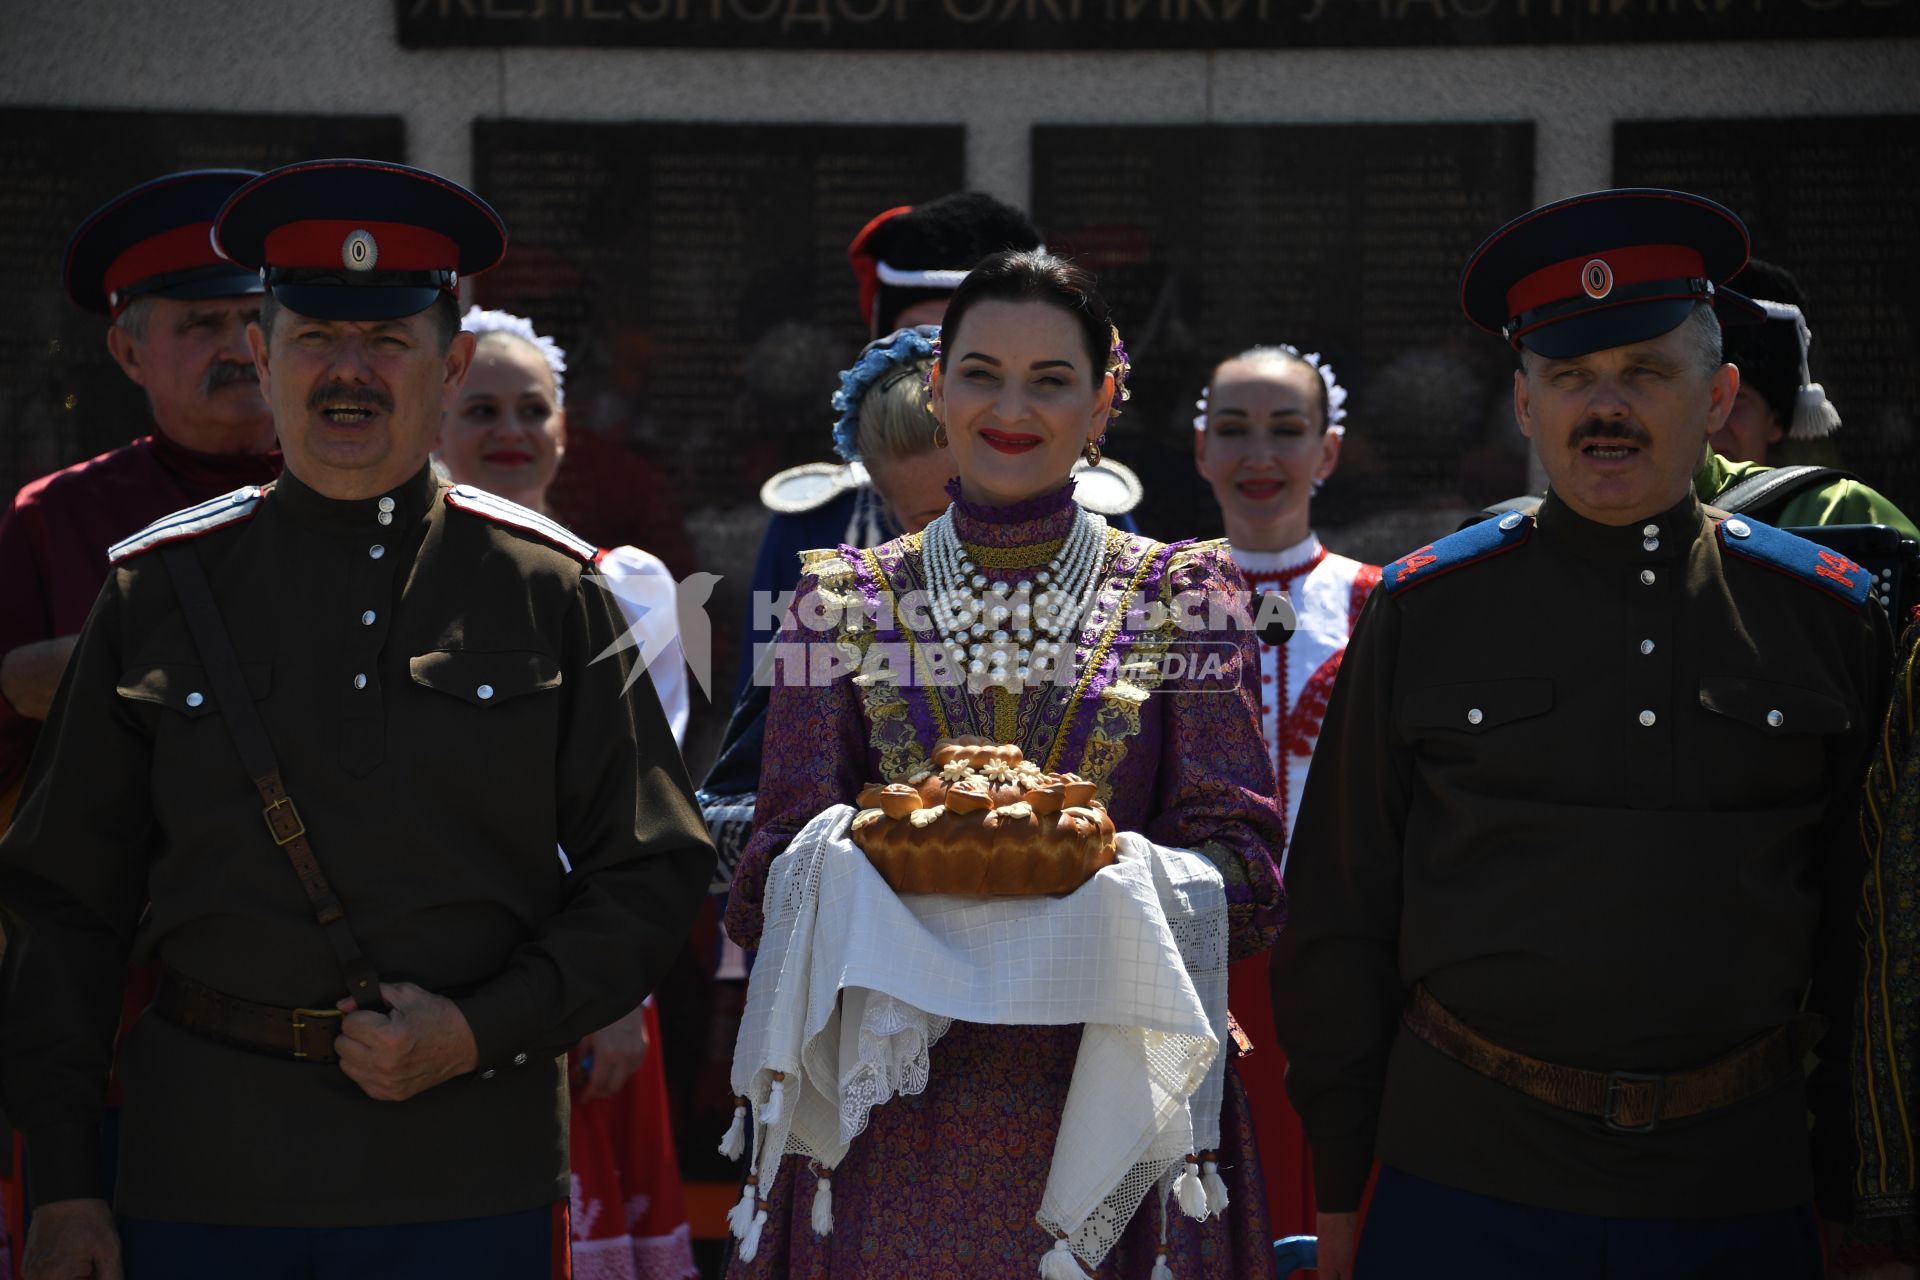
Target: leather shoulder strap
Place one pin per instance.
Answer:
(242, 718)
(1764, 494)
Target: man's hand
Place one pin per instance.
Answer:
(421, 1041)
(30, 674)
(1336, 1231)
(72, 1240)
(617, 1051)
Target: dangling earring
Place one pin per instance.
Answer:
(939, 435)
(1092, 451)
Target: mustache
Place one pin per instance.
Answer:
(342, 393)
(1595, 429)
(227, 372)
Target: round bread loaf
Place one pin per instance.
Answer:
(981, 819)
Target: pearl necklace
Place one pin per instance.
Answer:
(1003, 635)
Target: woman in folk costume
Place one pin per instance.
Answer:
(507, 434)
(947, 1181)
(1267, 435)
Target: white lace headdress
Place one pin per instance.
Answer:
(479, 322)
(1336, 394)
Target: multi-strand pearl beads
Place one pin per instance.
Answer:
(1006, 635)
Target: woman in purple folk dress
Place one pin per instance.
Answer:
(946, 1182)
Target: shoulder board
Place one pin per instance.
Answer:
(1470, 545)
(228, 508)
(1796, 557)
(810, 486)
(488, 506)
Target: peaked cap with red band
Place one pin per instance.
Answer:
(359, 239)
(156, 240)
(1605, 269)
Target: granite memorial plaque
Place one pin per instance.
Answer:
(1832, 201)
(697, 276)
(64, 398)
(1347, 240)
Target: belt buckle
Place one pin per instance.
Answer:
(298, 827)
(1615, 1079)
(299, 1041)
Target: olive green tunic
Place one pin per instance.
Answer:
(432, 691)
(1596, 790)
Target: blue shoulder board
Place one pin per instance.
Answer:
(1457, 550)
(1788, 553)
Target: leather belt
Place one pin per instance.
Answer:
(306, 1035)
(1627, 1101)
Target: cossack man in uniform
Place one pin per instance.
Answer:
(179, 329)
(317, 752)
(1579, 835)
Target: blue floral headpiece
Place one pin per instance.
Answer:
(897, 352)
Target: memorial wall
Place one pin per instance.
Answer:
(1832, 201)
(1342, 239)
(62, 397)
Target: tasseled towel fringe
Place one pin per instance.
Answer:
(1058, 1263)
(740, 1217)
(776, 1101)
(823, 1201)
(734, 1145)
(1190, 1191)
(1215, 1185)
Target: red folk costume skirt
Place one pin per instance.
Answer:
(629, 1208)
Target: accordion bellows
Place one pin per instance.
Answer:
(981, 819)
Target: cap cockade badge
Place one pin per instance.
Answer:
(1597, 278)
(359, 252)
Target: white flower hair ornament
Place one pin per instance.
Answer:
(480, 323)
(1336, 394)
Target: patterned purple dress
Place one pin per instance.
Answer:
(946, 1183)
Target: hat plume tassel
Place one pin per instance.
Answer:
(1814, 417)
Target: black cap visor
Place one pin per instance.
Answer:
(1590, 331)
(325, 301)
(214, 282)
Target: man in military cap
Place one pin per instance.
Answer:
(179, 330)
(1779, 400)
(1579, 836)
(350, 1069)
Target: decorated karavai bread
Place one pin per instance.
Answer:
(981, 819)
